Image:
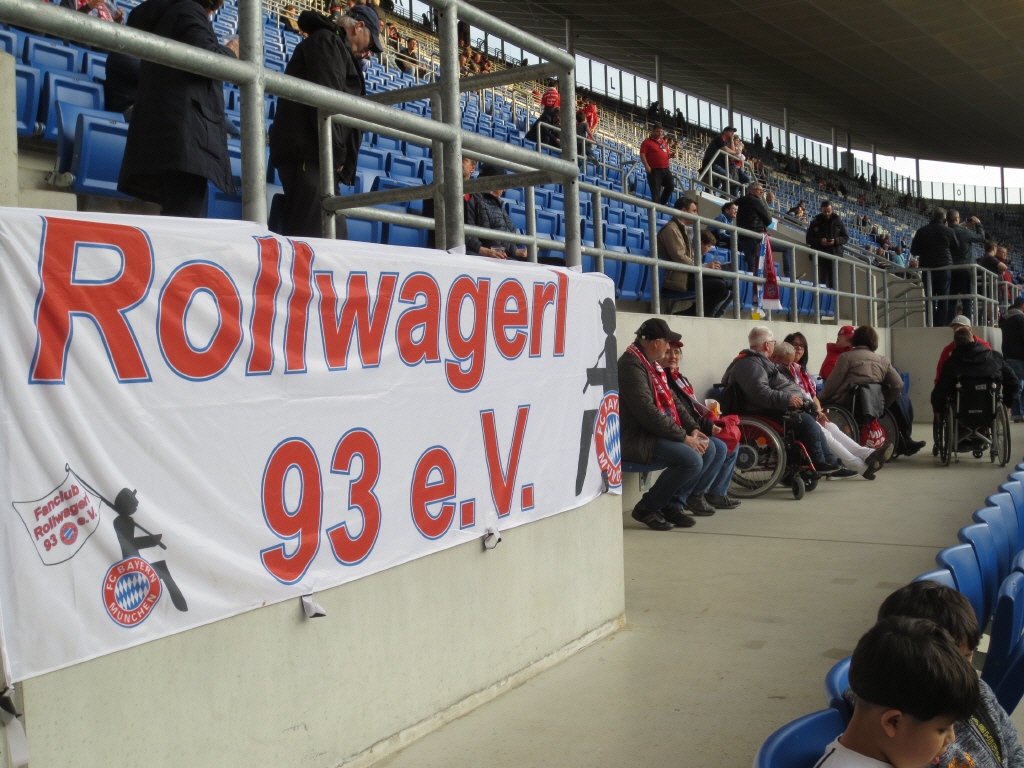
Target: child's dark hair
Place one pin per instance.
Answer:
(914, 666)
(939, 603)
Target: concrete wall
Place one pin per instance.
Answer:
(398, 654)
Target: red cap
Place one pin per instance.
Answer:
(676, 344)
(846, 330)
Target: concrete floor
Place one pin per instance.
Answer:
(731, 626)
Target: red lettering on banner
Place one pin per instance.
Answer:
(175, 300)
(303, 524)
(514, 319)
(264, 294)
(467, 348)
(543, 295)
(422, 347)
(503, 479)
(356, 317)
(350, 549)
(435, 463)
(61, 297)
(298, 308)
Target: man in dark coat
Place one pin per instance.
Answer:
(827, 233)
(1012, 326)
(934, 245)
(752, 213)
(484, 209)
(177, 139)
(966, 236)
(975, 360)
(329, 57)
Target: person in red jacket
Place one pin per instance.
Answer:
(844, 343)
(960, 321)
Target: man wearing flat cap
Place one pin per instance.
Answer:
(329, 56)
(657, 428)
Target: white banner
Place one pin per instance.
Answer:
(200, 418)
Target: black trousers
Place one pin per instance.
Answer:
(662, 185)
(183, 194)
(301, 183)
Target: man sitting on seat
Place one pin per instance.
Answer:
(675, 242)
(973, 359)
(656, 427)
(763, 388)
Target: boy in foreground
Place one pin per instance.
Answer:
(911, 684)
(986, 739)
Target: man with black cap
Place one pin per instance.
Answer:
(329, 56)
(657, 428)
(484, 209)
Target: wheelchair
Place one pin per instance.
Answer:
(867, 404)
(769, 454)
(975, 420)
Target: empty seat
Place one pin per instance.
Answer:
(68, 88)
(49, 54)
(27, 87)
(94, 65)
(99, 149)
(67, 127)
(400, 165)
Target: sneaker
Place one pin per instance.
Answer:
(874, 463)
(721, 502)
(698, 506)
(676, 516)
(842, 473)
(827, 469)
(652, 520)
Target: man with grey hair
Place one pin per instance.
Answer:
(966, 235)
(758, 386)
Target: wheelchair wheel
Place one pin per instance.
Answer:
(949, 436)
(761, 462)
(892, 433)
(798, 487)
(810, 482)
(843, 419)
(1001, 437)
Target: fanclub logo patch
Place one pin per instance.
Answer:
(131, 589)
(606, 439)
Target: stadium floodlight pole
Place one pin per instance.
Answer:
(254, 149)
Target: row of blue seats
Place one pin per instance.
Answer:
(987, 567)
(50, 54)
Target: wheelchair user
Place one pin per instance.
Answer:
(975, 360)
(763, 389)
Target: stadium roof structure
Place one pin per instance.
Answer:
(934, 79)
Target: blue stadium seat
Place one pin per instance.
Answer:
(613, 267)
(363, 231)
(1002, 517)
(67, 127)
(372, 159)
(979, 536)
(9, 43)
(941, 576)
(633, 278)
(963, 564)
(615, 234)
(837, 680)
(413, 237)
(635, 238)
(518, 215)
(96, 161)
(800, 743)
(388, 143)
(50, 54)
(400, 165)
(547, 223)
(27, 87)
(1007, 627)
(94, 65)
(69, 88)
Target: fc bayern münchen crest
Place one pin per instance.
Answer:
(130, 590)
(606, 439)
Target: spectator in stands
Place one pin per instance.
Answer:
(753, 214)
(654, 155)
(544, 129)
(550, 100)
(656, 427)
(769, 144)
(468, 169)
(177, 139)
(971, 359)
(966, 236)
(329, 57)
(710, 491)
(843, 344)
(798, 212)
(856, 458)
(484, 209)
(996, 743)
(101, 10)
(289, 17)
(584, 149)
(394, 38)
(934, 245)
(1012, 326)
(715, 163)
(736, 162)
(723, 237)
(590, 110)
(755, 385)
(675, 242)
(463, 65)
(828, 234)
(911, 684)
(408, 59)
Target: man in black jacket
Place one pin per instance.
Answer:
(329, 56)
(752, 213)
(828, 234)
(975, 360)
(966, 236)
(1012, 326)
(934, 245)
(484, 209)
(177, 139)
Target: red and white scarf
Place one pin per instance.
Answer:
(659, 383)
